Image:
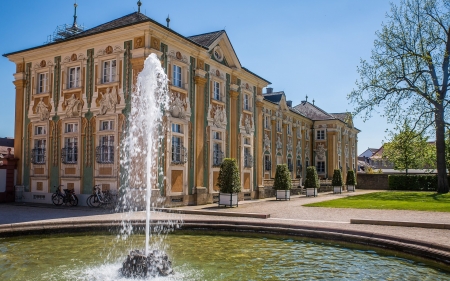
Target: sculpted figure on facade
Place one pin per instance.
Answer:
(266, 142)
(220, 118)
(320, 151)
(289, 145)
(346, 151)
(42, 110)
(279, 145)
(177, 107)
(307, 134)
(72, 105)
(299, 148)
(108, 101)
(247, 125)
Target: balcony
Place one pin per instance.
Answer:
(104, 154)
(179, 155)
(69, 155)
(38, 156)
(217, 158)
(248, 161)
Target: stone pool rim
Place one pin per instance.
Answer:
(434, 252)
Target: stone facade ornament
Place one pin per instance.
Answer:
(320, 151)
(177, 109)
(247, 125)
(289, 146)
(279, 145)
(299, 148)
(42, 110)
(266, 142)
(72, 106)
(108, 101)
(346, 151)
(220, 117)
(339, 150)
(307, 134)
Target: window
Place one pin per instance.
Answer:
(289, 129)
(176, 76)
(176, 128)
(246, 102)
(299, 167)
(69, 153)
(106, 125)
(267, 163)
(42, 80)
(246, 140)
(40, 130)
(105, 150)
(217, 154)
(290, 165)
(307, 162)
(71, 127)
(217, 135)
(278, 126)
(266, 122)
(74, 77)
(109, 71)
(38, 153)
(217, 95)
(248, 158)
(320, 135)
(320, 167)
(178, 151)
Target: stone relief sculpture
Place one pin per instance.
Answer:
(266, 142)
(289, 146)
(346, 151)
(307, 150)
(177, 109)
(220, 118)
(72, 105)
(320, 151)
(42, 110)
(279, 145)
(307, 134)
(247, 125)
(299, 148)
(108, 101)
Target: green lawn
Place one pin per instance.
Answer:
(392, 200)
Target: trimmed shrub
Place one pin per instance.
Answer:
(229, 180)
(282, 178)
(312, 180)
(337, 178)
(351, 179)
(413, 182)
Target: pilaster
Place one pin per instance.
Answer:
(234, 124)
(200, 83)
(260, 143)
(19, 126)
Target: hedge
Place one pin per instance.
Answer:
(413, 182)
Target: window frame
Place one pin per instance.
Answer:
(217, 93)
(320, 167)
(320, 135)
(177, 77)
(112, 71)
(42, 84)
(77, 77)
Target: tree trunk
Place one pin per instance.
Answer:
(440, 151)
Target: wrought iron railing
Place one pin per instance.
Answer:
(69, 155)
(104, 154)
(217, 158)
(38, 156)
(248, 160)
(268, 166)
(179, 154)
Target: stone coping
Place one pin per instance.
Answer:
(213, 213)
(435, 252)
(402, 223)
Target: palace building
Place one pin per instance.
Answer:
(73, 100)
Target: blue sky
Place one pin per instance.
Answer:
(307, 47)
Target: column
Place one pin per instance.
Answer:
(19, 126)
(274, 148)
(260, 144)
(234, 125)
(200, 83)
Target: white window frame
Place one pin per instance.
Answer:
(217, 91)
(177, 128)
(41, 132)
(74, 79)
(320, 135)
(107, 156)
(217, 135)
(320, 167)
(109, 125)
(42, 86)
(70, 128)
(177, 76)
(109, 72)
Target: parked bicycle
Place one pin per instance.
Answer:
(67, 196)
(99, 198)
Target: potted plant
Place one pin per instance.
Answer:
(282, 183)
(311, 182)
(351, 181)
(229, 183)
(337, 181)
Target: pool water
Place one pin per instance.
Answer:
(206, 256)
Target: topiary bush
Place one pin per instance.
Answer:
(312, 180)
(229, 180)
(351, 179)
(282, 178)
(337, 178)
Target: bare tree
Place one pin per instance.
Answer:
(408, 73)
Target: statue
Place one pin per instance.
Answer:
(42, 110)
(177, 107)
(219, 117)
(299, 148)
(72, 106)
(247, 125)
(108, 101)
(320, 151)
(279, 145)
(266, 142)
(289, 146)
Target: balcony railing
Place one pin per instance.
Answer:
(38, 156)
(69, 155)
(217, 158)
(179, 154)
(218, 97)
(248, 161)
(268, 166)
(104, 154)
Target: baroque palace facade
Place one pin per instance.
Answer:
(73, 99)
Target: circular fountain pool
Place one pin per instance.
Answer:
(206, 257)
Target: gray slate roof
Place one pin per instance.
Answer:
(206, 39)
(313, 112)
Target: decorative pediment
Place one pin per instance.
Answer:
(177, 55)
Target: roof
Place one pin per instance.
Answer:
(7, 142)
(206, 39)
(341, 116)
(274, 97)
(313, 112)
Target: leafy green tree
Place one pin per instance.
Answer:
(408, 73)
(408, 149)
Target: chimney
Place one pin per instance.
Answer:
(269, 90)
(289, 103)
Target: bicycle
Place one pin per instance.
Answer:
(67, 197)
(100, 198)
